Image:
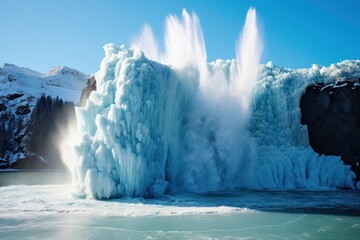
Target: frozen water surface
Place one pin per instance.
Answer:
(51, 212)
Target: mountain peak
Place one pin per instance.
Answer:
(14, 69)
(65, 70)
(66, 77)
(63, 81)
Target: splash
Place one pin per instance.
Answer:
(185, 49)
(248, 54)
(184, 44)
(147, 43)
(222, 104)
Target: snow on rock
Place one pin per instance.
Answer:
(332, 116)
(285, 158)
(66, 77)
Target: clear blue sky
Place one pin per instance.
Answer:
(40, 34)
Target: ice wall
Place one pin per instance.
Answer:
(153, 128)
(146, 131)
(284, 157)
(130, 127)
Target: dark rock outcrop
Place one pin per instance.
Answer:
(85, 93)
(23, 110)
(11, 134)
(14, 96)
(30, 162)
(332, 115)
(2, 107)
(29, 138)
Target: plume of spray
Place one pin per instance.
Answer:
(220, 107)
(223, 106)
(184, 44)
(248, 54)
(185, 48)
(69, 138)
(147, 43)
(242, 147)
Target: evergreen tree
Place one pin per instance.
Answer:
(48, 118)
(3, 137)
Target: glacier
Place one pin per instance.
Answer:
(175, 123)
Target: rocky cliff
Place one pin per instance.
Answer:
(332, 115)
(85, 93)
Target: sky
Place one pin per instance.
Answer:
(41, 34)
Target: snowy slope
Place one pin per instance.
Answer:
(64, 82)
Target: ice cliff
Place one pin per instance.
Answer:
(176, 123)
(148, 130)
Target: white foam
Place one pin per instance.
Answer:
(22, 201)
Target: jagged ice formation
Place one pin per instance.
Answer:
(152, 128)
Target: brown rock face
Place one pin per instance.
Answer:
(90, 86)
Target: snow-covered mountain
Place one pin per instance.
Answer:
(20, 90)
(64, 82)
(21, 87)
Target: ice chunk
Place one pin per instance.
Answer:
(132, 120)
